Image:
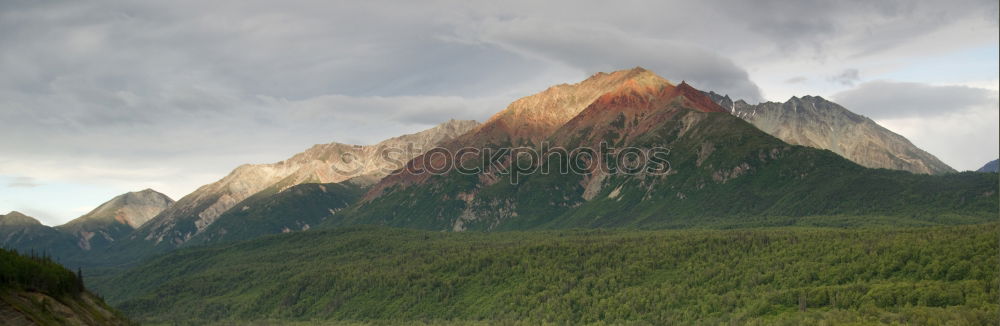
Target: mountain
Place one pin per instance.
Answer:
(816, 122)
(529, 120)
(298, 208)
(17, 219)
(990, 167)
(25, 233)
(326, 163)
(116, 218)
(37, 291)
(718, 168)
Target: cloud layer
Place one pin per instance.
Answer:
(894, 100)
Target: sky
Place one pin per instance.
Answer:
(98, 98)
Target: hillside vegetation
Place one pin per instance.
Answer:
(38, 291)
(929, 275)
(269, 212)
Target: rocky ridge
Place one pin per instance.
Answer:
(325, 163)
(816, 122)
(116, 218)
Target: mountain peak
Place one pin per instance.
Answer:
(146, 193)
(637, 75)
(642, 83)
(643, 76)
(15, 218)
(132, 209)
(15, 213)
(645, 86)
(534, 117)
(452, 124)
(638, 69)
(816, 122)
(636, 97)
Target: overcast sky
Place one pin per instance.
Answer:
(102, 97)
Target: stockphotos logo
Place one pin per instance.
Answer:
(511, 162)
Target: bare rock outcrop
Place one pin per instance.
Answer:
(816, 122)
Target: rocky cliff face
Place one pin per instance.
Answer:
(116, 218)
(326, 163)
(816, 122)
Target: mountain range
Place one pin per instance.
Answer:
(727, 163)
(139, 223)
(720, 168)
(95, 231)
(326, 163)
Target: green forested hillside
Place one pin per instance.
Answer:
(38, 291)
(929, 275)
(297, 208)
(39, 274)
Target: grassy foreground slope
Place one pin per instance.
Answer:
(927, 275)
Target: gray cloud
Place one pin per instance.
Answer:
(853, 27)
(888, 99)
(605, 49)
(847, 77)
(796, 80)
(22, 182)
(958, 124)
(121, 92)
